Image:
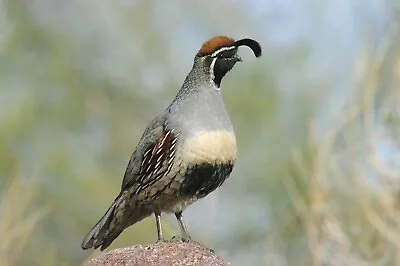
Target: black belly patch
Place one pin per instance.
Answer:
(202, 179)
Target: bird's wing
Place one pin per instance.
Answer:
(150, 155)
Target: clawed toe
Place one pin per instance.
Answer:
(180, 239)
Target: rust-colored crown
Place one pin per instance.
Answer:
(214, 44)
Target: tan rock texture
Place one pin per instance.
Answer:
(165, 254)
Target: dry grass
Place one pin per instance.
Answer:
(349, 210)
(18, 219)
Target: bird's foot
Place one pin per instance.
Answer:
(162, 240)
(180, 239)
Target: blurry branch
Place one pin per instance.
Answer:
(159, 254)
(18, 219)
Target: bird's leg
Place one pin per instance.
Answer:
(159, 229)
(185, 233)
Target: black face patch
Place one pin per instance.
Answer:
(221, 67)
(202, 179)
(220, 64)
(226, 53)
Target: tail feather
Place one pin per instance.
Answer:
(96, 235)
(119, 216)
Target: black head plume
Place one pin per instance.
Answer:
(252, 44)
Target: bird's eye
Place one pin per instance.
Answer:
(223, 55)
(226, 54)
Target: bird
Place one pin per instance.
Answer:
(184, 154)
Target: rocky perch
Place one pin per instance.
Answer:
(165, 254)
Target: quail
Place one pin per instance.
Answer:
(184, 154)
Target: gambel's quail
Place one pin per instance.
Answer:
(184, 154)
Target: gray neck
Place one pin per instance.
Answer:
(198, 79)
(198, 106)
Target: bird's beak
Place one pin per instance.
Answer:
(237, 58)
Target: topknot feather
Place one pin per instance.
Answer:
(214, 44)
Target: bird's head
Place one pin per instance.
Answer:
(219, 55)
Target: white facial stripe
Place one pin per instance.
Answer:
(212, 73)
(223, 49)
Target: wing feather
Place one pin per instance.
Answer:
(152, 158)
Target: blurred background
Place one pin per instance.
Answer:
(317, 120)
